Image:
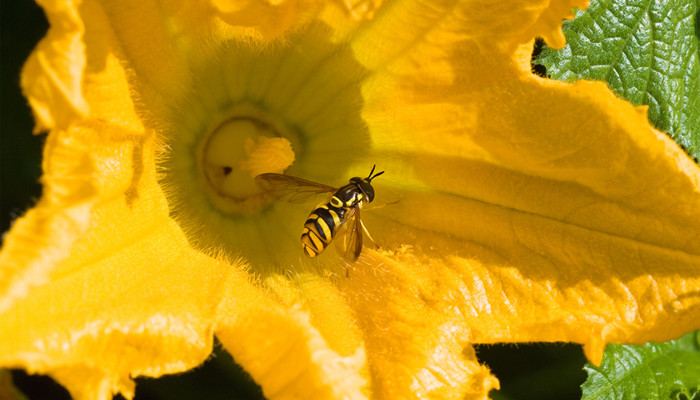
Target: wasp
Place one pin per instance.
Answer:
(339, 217)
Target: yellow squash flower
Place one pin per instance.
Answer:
(513, 208)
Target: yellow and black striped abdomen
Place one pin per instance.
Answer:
(320, 228)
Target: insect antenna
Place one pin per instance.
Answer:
(370, 177)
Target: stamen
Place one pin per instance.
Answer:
(234, 153)
(267, 155)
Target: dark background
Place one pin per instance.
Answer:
(533, 371)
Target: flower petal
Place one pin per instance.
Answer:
(52, 77)
(578, 216)
(528, 210)
(287, 355)
(417, 339)
(266, 20)
(78, 169)
(423, 33)
(95, 326)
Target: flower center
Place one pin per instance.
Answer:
(234, 153)
(294, 107)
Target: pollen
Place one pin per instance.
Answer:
(237, 150)
(267, 154)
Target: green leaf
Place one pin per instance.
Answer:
(647, 52)
(668, 370)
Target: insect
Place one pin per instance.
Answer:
(338, 218)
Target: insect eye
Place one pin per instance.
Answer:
(368, 190)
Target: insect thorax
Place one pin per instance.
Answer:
(347, 196)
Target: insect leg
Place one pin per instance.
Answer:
(368, 235)
(378, 206)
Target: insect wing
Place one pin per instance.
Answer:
(349, 242)
(290, 188)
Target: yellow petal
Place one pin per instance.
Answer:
(77, 168)
(142, 34)
(417, 339)
(527, 210)
(101, 325)
(548, 22)
(52, 77)
(48, 232)
(265, 19)
(77, 305)
(579, 212)
(292, 351)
